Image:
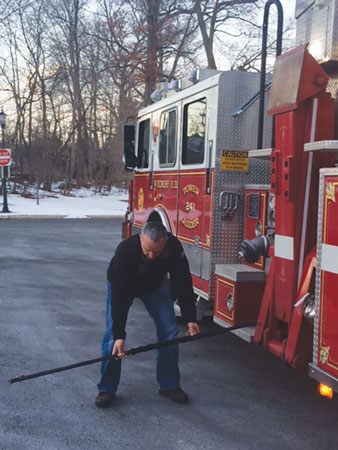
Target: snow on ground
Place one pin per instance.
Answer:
(81, 203)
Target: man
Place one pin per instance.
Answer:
(139, 269)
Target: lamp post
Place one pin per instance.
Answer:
(4, 189)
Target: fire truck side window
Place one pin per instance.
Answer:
(194, 132)
(167, 153)
(143, 144)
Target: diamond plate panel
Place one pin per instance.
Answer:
(235, 133)
(318, 26)
(333, 32)
(332, 88)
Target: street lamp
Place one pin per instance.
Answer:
(3, 124)
(4, 189)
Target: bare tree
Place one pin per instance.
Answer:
(70, 74)
(149, 39)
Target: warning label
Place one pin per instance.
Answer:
(235, 160)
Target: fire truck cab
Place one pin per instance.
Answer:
(192, 164)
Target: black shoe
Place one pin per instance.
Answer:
(177, 395)
(104, 399)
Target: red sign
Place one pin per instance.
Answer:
(5, 157)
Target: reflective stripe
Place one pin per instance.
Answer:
(329, 258)
(284, 247)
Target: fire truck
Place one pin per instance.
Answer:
(255, 207)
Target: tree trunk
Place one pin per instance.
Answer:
(151, 69)
(207, 39)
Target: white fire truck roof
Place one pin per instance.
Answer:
(187, 92)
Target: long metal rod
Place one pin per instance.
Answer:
(132, 351)
(263, 63)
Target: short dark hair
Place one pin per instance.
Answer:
(155, 231)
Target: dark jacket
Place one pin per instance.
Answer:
(132, 275)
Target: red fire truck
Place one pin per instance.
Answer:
(258, 225)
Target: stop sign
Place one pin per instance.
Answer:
(5, 157)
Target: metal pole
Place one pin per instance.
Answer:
(4, 188)
(132, 351)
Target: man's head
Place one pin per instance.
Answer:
(153, 239)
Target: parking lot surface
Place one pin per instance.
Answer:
(53, 288)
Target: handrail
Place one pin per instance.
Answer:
(263, 64)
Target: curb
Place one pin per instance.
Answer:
(7, 217)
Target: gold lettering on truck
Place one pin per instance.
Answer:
(191, 188)
(161, 184)
(189, 206)
(190, 224)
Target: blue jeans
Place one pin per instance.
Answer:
(160, 306)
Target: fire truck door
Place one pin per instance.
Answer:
(194, 175)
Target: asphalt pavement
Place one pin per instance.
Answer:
(52, 297)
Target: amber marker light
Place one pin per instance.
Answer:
(325, 391)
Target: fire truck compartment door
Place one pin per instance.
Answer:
(327, 276)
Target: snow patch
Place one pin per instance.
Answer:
(82, 203)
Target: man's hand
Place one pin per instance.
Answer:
(193, 329)
(118, 349)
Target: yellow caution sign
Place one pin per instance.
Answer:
(235, 160)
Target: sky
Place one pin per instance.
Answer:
(83, 203)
